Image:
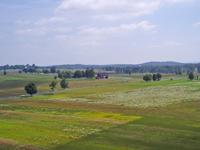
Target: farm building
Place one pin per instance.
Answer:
(102, 76)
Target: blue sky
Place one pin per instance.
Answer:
(49, 32)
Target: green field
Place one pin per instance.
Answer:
(136, 116)
(13, 84)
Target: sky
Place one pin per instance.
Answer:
(49, 32)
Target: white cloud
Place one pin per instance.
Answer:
(144, 26)
(50, 20)
(177, 1)
(197, 24)
(35, 31)
(23, 22)
(108, 9)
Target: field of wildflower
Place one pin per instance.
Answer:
(156, 96)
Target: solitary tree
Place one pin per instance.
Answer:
(191, 76)
(53, 85)
(129, 72)
(147, 77)
(20, 71)
(55, 77)
(63, 83)
(154, 77)
(31, 88)
(4, 72)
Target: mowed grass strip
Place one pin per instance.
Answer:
(149, 133)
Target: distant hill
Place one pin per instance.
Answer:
(168, 63)
(82, 66)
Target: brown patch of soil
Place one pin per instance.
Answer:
(15, 144)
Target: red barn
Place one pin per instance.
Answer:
(102, 76)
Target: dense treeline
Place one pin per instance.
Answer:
(18, 67)
(118, 68)
(162, 69)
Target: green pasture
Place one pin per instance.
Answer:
(112, 117)
(105, 89)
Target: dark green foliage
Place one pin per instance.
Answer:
(158, 76)
(147, 77)
(77, 74)
(53, 69)
(53, 85)
(91, 73)
(46, 71)
(55, 77)
(83, 73)
(154, 77)
(191, 76)
(31, 88)
(65, 74)
(20, 71)
(4, 72)
(63, 83)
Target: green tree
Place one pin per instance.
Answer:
(158, 76)
(91, 73)
(4, 72)
(20, 71)
(31, 88)
(55, 77)
(83, 73)
(53, 69)
(63, 83)
(77, 74)
(154, 77)
(191, 76)
(147, 77)
(53, 85)
(46, 71)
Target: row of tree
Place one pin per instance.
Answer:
(77, 74)
(31, 87)
(158, 76)
(148, 77)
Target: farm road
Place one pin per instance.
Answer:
(48, 92)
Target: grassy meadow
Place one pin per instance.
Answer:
(13, 83)
(135, 116)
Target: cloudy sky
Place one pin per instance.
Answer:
(53, 32)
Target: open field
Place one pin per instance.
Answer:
(149, 116)
(13, 84)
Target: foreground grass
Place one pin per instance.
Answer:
(49, 127)
(43, 124)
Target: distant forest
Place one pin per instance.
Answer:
(150, 67)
